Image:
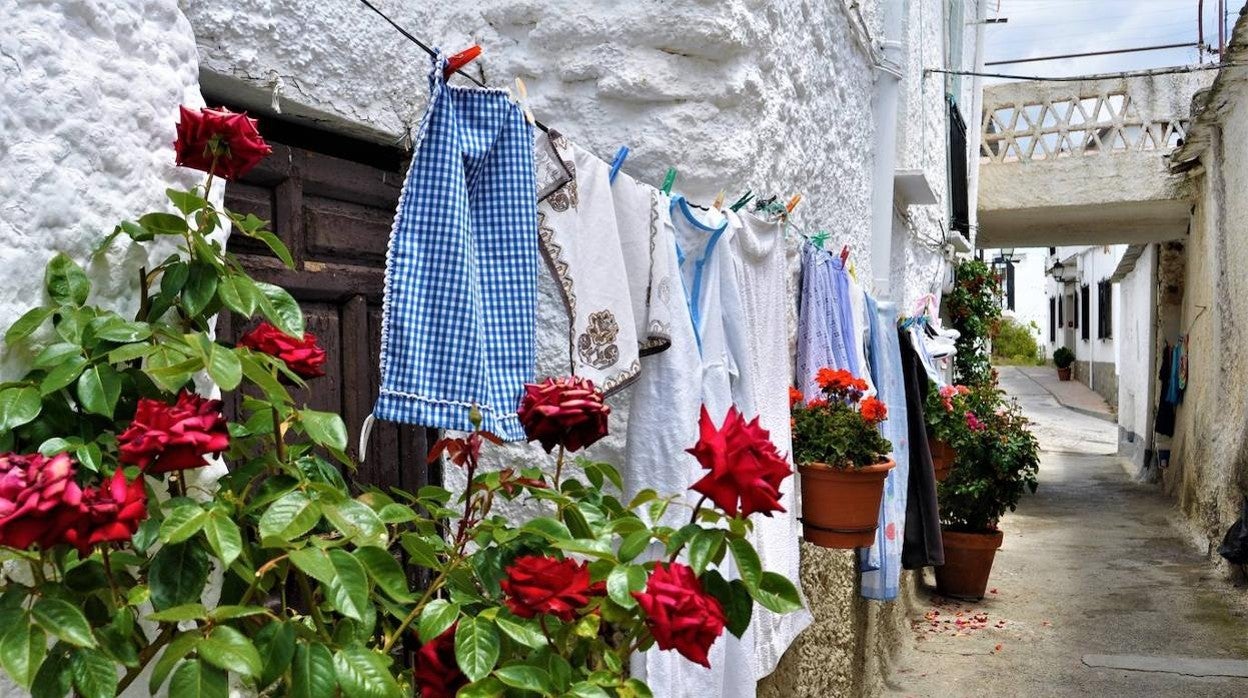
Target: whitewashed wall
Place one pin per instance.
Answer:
(1136, 370)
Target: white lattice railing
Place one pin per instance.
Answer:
(1084, 119)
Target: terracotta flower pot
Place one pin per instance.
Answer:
(841, 506)
(1063, 374)
(968, 562)
(942, 458)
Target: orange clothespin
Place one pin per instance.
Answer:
(461, 59)
(524, 100)
(797, 198)
(719, 200)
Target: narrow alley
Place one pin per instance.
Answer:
(1097, 591)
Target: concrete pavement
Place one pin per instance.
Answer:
(1095, 593)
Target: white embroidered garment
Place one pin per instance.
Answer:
(761, 265)
(650, 264)
(580, 241)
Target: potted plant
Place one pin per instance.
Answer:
(997, 460)
(842, 459)
(1063, 358)
(946, 425)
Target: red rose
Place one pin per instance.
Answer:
(113, 512)
(165, 437)
(745, 465)
(303, 356)
(38, 499)
(566, 412)
(873, 410)
(679, 614)
(537, 584)
(437, 673)
(230, 139)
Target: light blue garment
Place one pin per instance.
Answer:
(881, 563)
(821, 340)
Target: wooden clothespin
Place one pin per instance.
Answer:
(620, 156)
(461, 59)
(668, 181)
(788, 208)
(524, 101)
(745, 199)
(719, 200)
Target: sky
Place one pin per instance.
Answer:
(1049, 27)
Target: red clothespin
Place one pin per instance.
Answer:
(844, 254)
(461, 59)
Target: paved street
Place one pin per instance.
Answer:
(1096, 592)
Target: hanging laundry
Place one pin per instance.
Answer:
(766, 369)
(650, 264)
(822, 339)
(461, 268)
(1167, 401)
(881, 563)
(922, 543)
(580, 241)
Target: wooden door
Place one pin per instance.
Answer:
(331, 200)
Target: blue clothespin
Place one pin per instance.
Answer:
(620, 155)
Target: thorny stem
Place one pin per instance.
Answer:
(559, 466)
(420, 606)
(108, 574)
(279, 438)
(145, 655)
(305, 590)
(692, 520)
(541, 620)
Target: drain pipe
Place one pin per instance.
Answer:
(887, 86)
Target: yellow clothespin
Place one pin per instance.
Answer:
(797, 198)
(719, 200)
(524, 101)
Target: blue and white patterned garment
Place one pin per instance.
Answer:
(461, 270)
(881, 563)
(821, 339)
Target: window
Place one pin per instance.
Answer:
(1052, 318)
(1085, 310)
(959, 203)
(1061, 311)
(1104, 309)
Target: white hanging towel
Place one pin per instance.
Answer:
(579, 237)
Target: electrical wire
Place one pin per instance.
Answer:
(1084, 78)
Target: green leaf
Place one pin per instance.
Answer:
(476, 647)
(348, 591)
(54, 354)
(229, 612)
(123, 331)
(90, 456)
(363, 673)
(179, 647)
(174, 278)
(276, 642)
(435, 618)
(622, 581)
(545, 526)
(230, 650)
(185, 201)
(54, 678)
(385, 571)
(177, 614)
(633, 544)
(182, 523)
(95, 675)
(586, 689)
(421, 552)
(776, 593)
(312, 674)
(593, 548)
(172, 378)
(238, 293)
(178, 574)
(258, 374)
(325, 428)
(223, 366)
(357, 522)
(63, 620)
(65, 281)
(521, 632)
(525, 677)
(280, 308)
(275, 244)
(21, 652)
(705, 545)
(577, 524)
(749, 567)
(98, 389)
(27, 324)
(19, 406)
(195, 679)
(56, 445)
(223, 536)
(200, 288)
(165, 223)
(63, 374)
(315, 563)
(288, 518)
(734, 597)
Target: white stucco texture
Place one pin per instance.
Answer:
(89, 95)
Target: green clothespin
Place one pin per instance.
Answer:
(745, 199)
(669, 180)
(819, 238)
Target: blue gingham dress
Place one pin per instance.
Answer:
(461, 269)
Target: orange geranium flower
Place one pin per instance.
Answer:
(873, 410)
(795, 396)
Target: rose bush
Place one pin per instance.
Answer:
(326, 588)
